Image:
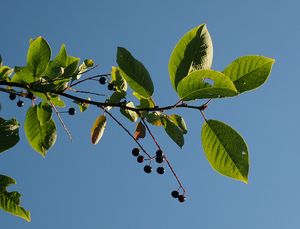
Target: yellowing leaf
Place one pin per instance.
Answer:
(98, 129)
(140, 131)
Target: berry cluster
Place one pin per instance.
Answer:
(175, 194)
(13, 96)
(110, 86)
(20, 103)
(147, 168)
(159, 158)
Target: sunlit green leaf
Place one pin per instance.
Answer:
(44, 113)
(154, 118)
(10, 201)
(118, 80)
(72, 64)
(134, 73)
(22, 75)
(56, 100)
(179, 122)
(249, 72)
(144, 102)
(89, 63)
(83, 106)
(98, 129)
(203, 84)
(44, 86)
(116, 97)
(225, 150)
(174, 132)
(5, 72)
(41, 136)
(62, 57)
(131, 115)
(53, 70)
(38, 56)
(9, 133)
(194, 51)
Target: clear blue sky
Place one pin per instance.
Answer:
(79, 185)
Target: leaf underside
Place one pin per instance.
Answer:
(225, 150)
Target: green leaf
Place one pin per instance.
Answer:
(131, 115)
(225, 150)
(40, 135)
(44, 113)
(9, 133)
(98, 129)
(1, 61)
(154, 118)
(10, 201)
(116, 97)
(179, 122)
(194, 51)
(88, 63)
(38, 56)
(174, 132)
(54, 70)
(82, 106)
(135, 73)
(22, 75)
(62, 57)
(144, 102)
(45, 86)
(249, 72)
(203, 84)
(55, 99)
(118, 80)
(72, 64)
(5, 72)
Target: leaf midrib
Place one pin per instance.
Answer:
(250, 72)
(226, 150)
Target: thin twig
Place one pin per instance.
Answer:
(59, 117)
(165, 157)
(87, 92)
(149, 131)
(108, 104)
(89, 78)
(127, 131)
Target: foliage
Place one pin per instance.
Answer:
(48, 82)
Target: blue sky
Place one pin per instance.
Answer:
(79, 185)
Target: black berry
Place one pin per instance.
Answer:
(136, 152)
(20, 103)
(102, 80)
(110, 87)
(159, 153)
(72, 111)
(181, 198)
(159, 159)
(175, 194)
(140, 159)
(160, 170)
(12, 96)
(148, 169)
